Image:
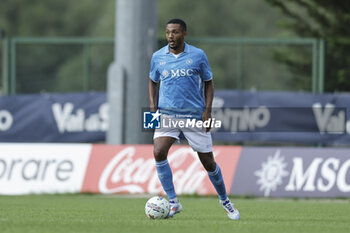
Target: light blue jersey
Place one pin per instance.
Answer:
(181, 80)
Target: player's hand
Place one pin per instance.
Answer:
(207, 116)
(153, 108)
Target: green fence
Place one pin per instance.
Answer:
(31, 65)
(12, 56)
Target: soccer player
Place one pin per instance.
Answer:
(182, 71)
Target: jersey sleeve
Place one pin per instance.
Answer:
(206, 72)
(154, 74)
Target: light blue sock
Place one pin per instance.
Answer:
(165, 176)
(218, 182)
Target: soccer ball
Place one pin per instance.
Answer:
(157, 208)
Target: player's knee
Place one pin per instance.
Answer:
(160, 154)
(210, 165)
(208, 162)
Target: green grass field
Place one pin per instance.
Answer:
(104, 213)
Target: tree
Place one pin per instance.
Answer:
(40, 66)
(326, 19)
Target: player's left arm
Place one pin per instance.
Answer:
(208, 95)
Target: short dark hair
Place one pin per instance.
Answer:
(178, 21)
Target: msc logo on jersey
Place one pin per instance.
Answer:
(177, 73)
(151, 120)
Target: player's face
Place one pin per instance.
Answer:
(175, 36)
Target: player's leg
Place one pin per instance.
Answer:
(214, 173)
(165, 175)
(202, 143)
(215, 176)
(161, 147)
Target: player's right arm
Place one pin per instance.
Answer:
(153, 95)
(153, 85)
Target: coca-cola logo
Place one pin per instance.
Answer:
(131, 169)
(128, 172)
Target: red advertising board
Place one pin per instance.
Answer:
(131, 169)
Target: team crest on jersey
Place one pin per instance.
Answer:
(165, 73)
(189, 61)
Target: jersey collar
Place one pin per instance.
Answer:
(186, 50)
